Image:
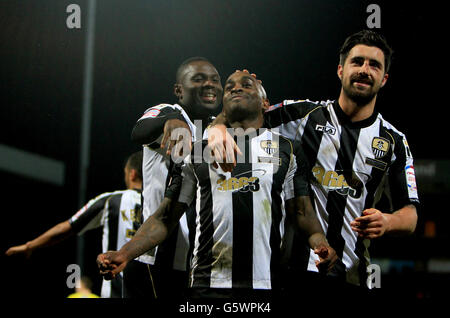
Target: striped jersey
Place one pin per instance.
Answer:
(155, 170)
(351, 164)
(239, 221)
(116, 212)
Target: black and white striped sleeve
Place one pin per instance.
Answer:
(150, 126)
(90, 215)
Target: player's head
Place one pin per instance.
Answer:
(244, 98)
(198, 87)
(133, 170)
(365, 58)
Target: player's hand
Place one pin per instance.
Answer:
(327, 258)
(372, 224)
(177, 137)
(110, 264)
(223, 148)
(19, 250)
(252, 74)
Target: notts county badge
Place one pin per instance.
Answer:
(269, 146)
(380, 147)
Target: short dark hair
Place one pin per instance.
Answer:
(369, 38)
(186, 62)
(134, 161)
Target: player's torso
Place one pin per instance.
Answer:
(239, 214)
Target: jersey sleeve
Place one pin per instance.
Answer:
(302, 172)
(90, 216)
(402, 179)
(150, 126)
(286, 116)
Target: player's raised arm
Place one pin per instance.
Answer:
(54, 235)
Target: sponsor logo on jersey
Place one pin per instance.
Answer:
(274, 107)
(333, 181)
(272, 160)
(241, 184)
(411, 180)
(152, 113)
(326, 129)
(380, 147)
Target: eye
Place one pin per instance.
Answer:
(357, 61)
(375, 64)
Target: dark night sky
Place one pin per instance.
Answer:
(291, 45)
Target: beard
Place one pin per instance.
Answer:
(361, 97)
(239, 113)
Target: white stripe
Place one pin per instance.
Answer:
(262, 216)
(221, 273)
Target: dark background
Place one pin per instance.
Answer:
(291, 45)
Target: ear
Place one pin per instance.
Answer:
(178, 91)
(340, 69)
(266, 104)
(385, 78)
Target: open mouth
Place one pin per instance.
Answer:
(208, 97)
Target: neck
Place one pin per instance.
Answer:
(196, 115)
(248, 123)
(135, 185)
(355, 111)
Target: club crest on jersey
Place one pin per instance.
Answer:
(269, 146)
(380, 147)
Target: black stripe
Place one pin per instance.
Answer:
(113, 221)
(310, 143)
(202, 272)
(116, 287)
(243, 227)
(89, 214)
(336, 202)
(311, 138)
(190, 217)
(285, 153)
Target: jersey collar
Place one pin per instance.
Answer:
(344, 119)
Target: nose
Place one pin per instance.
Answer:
(209, 83)
(236, 88)
(364, 69)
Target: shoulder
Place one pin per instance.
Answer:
(304, 105)
(163, 108)
(391, 130)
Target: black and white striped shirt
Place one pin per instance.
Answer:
(239, 221)
(116, 212)
(350, 162)
(155, 170)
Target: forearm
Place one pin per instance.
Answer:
(402, 221)
(149, 235)
(53, 236)
(149, 130)
(307, 222)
